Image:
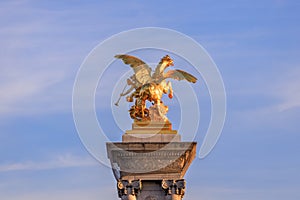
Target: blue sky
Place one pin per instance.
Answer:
(255, 44)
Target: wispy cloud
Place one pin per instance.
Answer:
(289, 91)
(105, 192)
(53, 192)
(24, 90)
(36, 61)
(227, 192)
(41, 55)
(61, 161)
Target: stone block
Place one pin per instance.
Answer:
(151, 138)
(152, 160)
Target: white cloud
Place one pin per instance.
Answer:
(289, 92)
(61, 161)
(29, 91)
(41, 55)
(108, 192)
(36, 63)
(242, 191)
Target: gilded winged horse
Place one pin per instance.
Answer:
(150, 87)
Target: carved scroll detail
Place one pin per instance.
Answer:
(128, 190)
(174, 189)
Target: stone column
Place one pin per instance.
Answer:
(150, 162)
(129, 190)
(174, 189)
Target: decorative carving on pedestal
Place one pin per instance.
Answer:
(128, 190)
(151, 161)
(165, 161)
(174, 189)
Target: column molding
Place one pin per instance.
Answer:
(128, 190)
(174, 189)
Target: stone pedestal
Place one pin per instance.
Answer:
(150, 162)
(151, 132)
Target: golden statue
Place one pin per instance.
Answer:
(145, 86)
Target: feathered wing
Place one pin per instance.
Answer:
(141, 69)
(160, 68)
(158, 72)
(180, 75)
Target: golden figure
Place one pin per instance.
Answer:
(150, 87)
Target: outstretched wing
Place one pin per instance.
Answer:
(141, 69)
(180, 75)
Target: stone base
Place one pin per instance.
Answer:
(151, 132)
(138, 137)
(152, 160)
(151, 125)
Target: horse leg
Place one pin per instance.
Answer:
(143, 109)
(169, 85)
